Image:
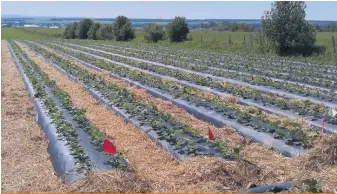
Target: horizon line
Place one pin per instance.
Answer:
(81, 17)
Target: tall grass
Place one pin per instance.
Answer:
(240, 42)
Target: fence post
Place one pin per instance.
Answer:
(333, 44)
(251, 39)
(244, 39)
(200, 39)
(229, 39)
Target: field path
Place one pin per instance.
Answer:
(25, 161)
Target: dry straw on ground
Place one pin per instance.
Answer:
(25, 162)
(157, 171)
(150, 162)
(178, 113)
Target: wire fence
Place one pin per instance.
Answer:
(253, 40)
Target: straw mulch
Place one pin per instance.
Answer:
(151, 163)
(179, 114)
(25, 162)
(156, 171)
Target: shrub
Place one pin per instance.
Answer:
(122, 29)
(105, 32)
(154, 33)
(286, 28)
(92, 33)
(70, 32)
(177, 30)
(83, 28)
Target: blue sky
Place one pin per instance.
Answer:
(166, 10)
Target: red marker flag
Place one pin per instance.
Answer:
(210, 135)
(108, 147)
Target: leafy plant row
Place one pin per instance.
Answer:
(304, 108)
(64, 128)
(292, 132)
(254, 64)
(178, 74)
(324, 79)
(255, 80)
(184, 139)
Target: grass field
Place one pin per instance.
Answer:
(211, 41)
(219, 42)
(14, 33)
(17, 33)
(49, 30)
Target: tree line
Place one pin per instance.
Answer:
(326, 27)
(284, 27)
(121, 30)
(250, 27)
(229, 26)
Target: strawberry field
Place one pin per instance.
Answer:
(180, 110)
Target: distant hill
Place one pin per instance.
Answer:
(137, 22)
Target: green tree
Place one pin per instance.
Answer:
(92, 31)
(154, 33)
(83, 28)
(105, 32)
(66, 33)
(285, 26)
(177, 30)
(122, 29)
(70, 32)
(234, 27)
